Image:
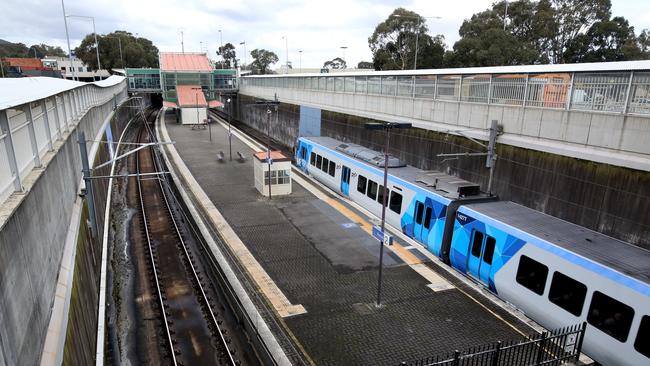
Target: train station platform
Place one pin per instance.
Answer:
(313, 261)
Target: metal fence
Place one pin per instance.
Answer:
(617, 92)
(553, 348)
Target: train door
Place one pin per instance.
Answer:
(422, 221)
(479, 258)
(345, 180)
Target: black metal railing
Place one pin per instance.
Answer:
(556, 347)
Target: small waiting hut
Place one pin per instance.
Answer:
(280, 177)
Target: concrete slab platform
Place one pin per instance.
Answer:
(318, 253)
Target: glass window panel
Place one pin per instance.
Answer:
(567, 293)
(388, 85)
(425, 86)
(374, 85)
(361, 184)
(349, 84)
(532, 274)
(395, 202)
(611, 316)
(361, 84)
(477, 243)
(405, 86)
(448, 87)
(372, 190)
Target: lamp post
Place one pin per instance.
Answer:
(269, 104)
(99, 64)
(386, 127)
(67, 36)
(286, 45)
(417, 35)
(344, 48)
(223, 59)
(229, 121)
(300, 60)
(244, 44)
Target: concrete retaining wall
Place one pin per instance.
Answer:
(32, 240)
(607, 198)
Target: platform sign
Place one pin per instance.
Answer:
(387, 239)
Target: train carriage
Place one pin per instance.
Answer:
(559, 273)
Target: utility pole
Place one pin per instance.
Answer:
(268, 104)
(245, 56)
(490, 154)
(89, 186)
(344, 48)
(229, 122)
(286, 45)
(182, 42)
(67, 37)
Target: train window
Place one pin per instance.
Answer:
(395, 202)
(610, 315)
(490, 242)
(332, 168)
(361, 184)
(380, 194)
(372, 189)
(319, 161)
(477, 243)
(419, 207)
(427, 218)
(326, 164)
(642, 342)
(532, 275)
(313, 159)
(567, 293)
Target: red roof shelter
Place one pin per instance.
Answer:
(175, 61)
(190, 96)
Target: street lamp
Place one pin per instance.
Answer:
(67, 36)
(223, 59)
(99, 64)
(300, 60)
(286, 45)
(417, 35)
(229, 133)
(344, 48)
(244, 44)
(386, 127)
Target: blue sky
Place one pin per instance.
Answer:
(318, 28)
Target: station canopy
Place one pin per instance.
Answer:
(176, 61)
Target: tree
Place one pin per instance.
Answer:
(393, 41)
(608, 40)
(336, 63)
(137, 52)
(227, 52)
(262, 59)
(644, 44)
(365, 65)
(574, 18)
(9, 49)
(42, 50)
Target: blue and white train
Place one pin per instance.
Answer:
(556, 272)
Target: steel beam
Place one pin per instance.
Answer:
(32, 135)
(46, 121)
(11, 152)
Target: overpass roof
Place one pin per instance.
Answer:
(18, 91)
(190, 96)
(176, 61)
(518, 69)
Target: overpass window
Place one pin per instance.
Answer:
(532, 275)
(405, 86)
(322, 83)
(312, 161)
(361, 84)
(567, 293)
(388, 85)
(349, 84)
(610, 315)
(374, 85)
(372, 190)
(642, 343)
(319, 161)
(331, 85)
(326, 164)
(361, 184)
(332, 168)
(477, 243)
(395, 202)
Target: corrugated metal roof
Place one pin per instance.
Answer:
(275, 156)
(24, 62)
(190, 96)
(519, 69)
(175, 61)
(17, 91)
(215, 104)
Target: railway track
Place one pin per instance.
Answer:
(191, 326)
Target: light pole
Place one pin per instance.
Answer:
(99, 64)
(344, 48)
(300, 60)
(417, 35)
(221, 48)
(182, 40)
(119, 42)
(244, 44)
(67, 36)
(229, 121)
(386, 127)
(286, 45)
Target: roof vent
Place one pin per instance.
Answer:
(455, 187)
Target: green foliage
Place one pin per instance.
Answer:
(393, 43)
(42, 50)
(137, 51)
(336, 63)
(227, 52)
(8, 49)
(365, 65)
(262, 59)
